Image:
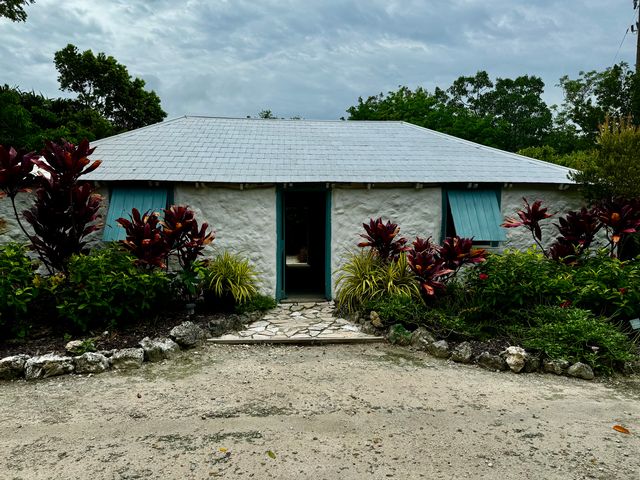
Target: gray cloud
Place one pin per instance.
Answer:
(314, 59)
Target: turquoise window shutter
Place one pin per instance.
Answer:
(476, 213)
(123, 200)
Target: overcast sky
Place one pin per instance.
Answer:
(314, 58)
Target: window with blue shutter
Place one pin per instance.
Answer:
(123, 199)
(474, 213)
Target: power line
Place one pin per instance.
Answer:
(625, 35)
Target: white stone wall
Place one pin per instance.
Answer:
(9, 228)
(416, 211)
(11, 232)
(244, 221)
(558, 202)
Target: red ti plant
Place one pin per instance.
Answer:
(65, 211)
(183, 235)
(530, 218)
(577, 231)
(16, 176)
(620, 218)
(456, 252)
(382, 239)
(428, 267)
(145, 239)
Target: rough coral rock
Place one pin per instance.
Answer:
(581, 370)
(12, 367)
(74, 347)
(439, 349)
(127, 358)
(556, 366)
(158, 349)
(491, 362)
(91, 362)
(376, 321)
(462, 353)
(421, 338)
(516, 358)
(187, 335)
(532, 363)
(49, 365)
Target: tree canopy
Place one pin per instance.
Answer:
(508, 113)
(593, 96)
(105, 86)
(613, 170)
(14, 9)
(28, 119)
(109, 101)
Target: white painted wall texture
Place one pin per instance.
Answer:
(416, 211)
(244, 221)
(9, 229)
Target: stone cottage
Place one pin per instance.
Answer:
(291, 195)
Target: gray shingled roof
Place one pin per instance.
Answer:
(227, 150)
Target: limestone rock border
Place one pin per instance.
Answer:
(513, 359)
(21, 366)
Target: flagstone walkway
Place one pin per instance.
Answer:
(299, 323)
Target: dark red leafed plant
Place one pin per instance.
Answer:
(577, 231)
(429, 269)
(145, 239)
(424, 245)
(579, 228)
(16, 176)
(65, 211)
(456, 252)
(15, 171)
(620, 219)
(183, 235)
(564, 251)
(382, 239)
(67, 161)
(530, 218)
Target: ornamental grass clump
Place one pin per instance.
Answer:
(228, 280)
(366, 277)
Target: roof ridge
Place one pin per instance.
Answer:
(319, 120)
(493, 149)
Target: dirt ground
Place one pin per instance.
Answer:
(323, 412)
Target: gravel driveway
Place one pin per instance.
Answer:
(330, 412)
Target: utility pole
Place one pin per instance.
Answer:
(636, 4)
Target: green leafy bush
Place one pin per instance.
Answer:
(257, 303)
(17, 288)
(576, 335)
(365, 277)
(398, 335)
(607, 286)
(228, 280)
(514, 280)
(107, 288)
(398, 309)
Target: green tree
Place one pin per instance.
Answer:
(266, 114)
(594, 95)
(614, 169)
(509, 114)
(28, 119)
(14, 9)
(105, 86)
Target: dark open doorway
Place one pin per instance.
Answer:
(304, 243)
